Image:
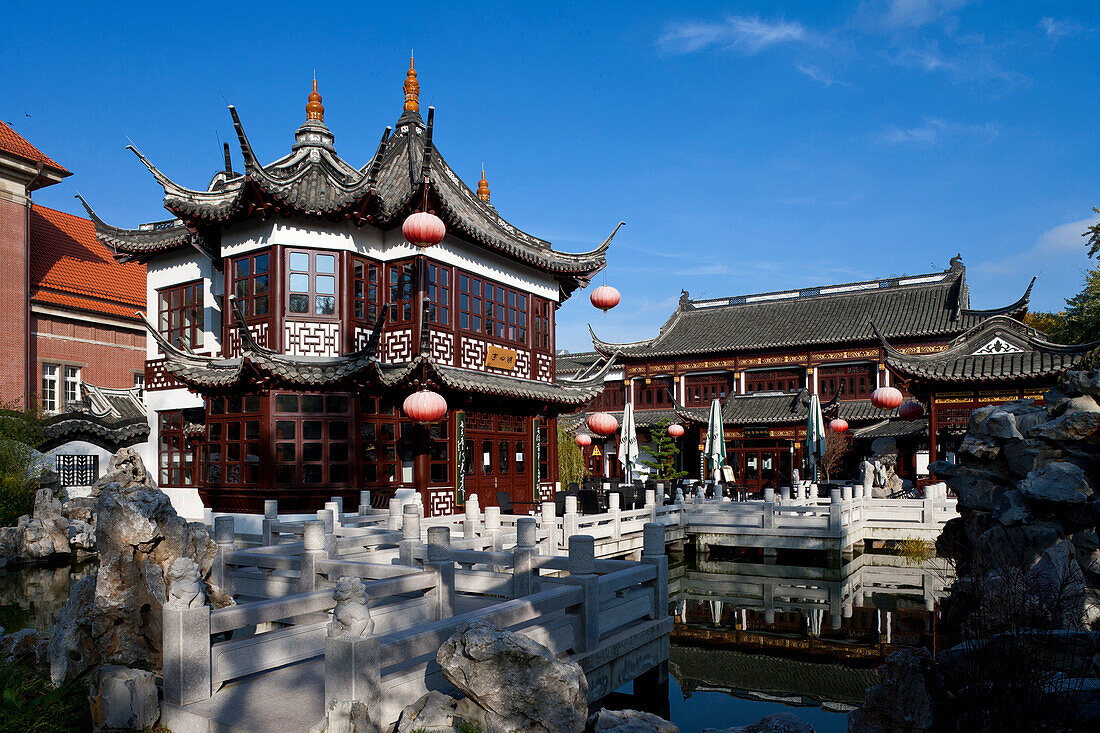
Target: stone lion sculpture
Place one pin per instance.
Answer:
(185, 587)
(351, 617)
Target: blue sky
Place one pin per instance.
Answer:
(749, 146)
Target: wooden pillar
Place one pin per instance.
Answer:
(421, 464)
(933, 425)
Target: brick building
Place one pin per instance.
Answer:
(67, 308)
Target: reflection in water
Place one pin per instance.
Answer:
(31, 597)
(752, 639)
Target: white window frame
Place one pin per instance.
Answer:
(72, 379)
(51, 385)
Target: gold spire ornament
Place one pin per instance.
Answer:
(314, 109)
(412, 89)
(483, 187)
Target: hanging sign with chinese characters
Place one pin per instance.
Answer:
(497, 357)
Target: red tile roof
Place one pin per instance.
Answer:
(70, 267)
(13, 143)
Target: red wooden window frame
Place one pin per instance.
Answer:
(542, 324)
(233, 443)
(702, 389)
(858, 381)
(493, 311)
(401, 286)
(177, 302)
(366, 289)
(439, 294)
(383, 446)
(251, 284)
(309, 284)
(654, 394)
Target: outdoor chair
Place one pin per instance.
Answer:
(559, 501)
(626, 502)
(504, 501)
(573, 487)
(588, 501)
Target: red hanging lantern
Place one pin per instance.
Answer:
(425, 406)
(423, 229)
(583, 440)
(886, 398)
(838, 425)
(605, 297)
(601, 423)
(911, 410)
(676, 430)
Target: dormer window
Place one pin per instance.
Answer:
(311, 283)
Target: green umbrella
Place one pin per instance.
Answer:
(815, 436)
(715, 451)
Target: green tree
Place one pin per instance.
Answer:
(663, 449)
(20, 430)
(1093, 234)
(571, 463)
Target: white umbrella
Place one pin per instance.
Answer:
(628, 442)
(815, 436)
(715, 450)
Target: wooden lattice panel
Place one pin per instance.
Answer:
(259, 334)
(441, 502)
(309, 338)
(397, 345)
(442, 347)
(157, 378)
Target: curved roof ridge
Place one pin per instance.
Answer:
(610, 346)
(1020, 305)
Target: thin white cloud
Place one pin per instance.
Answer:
(1060, 28)
(934, 131)
(745, 34)
(817, 74)
(897, 15)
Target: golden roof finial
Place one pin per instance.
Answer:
(314, 109)
(483, 187)
(412, 89)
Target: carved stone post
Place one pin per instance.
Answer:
(271, 516)
(394, 522)
(569, 521)
(364, 503)
(337, 513)
(439, 560)
(550, 525)
(313, 552)
(410, 534)
(582, 573)
(613, 509)
(523, 556)
(224, 538)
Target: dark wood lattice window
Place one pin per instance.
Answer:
(180, 315)
(702, 389)
(312, 439)
(439, 452)
(774, 380)
(652, 392)
(175, 459)
(492, 310)
(252, 284)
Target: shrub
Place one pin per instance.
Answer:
(19, 475)
(31, 705)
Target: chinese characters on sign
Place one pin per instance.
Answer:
(500, 358)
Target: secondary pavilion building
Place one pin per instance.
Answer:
(293, 318)
(764, 355)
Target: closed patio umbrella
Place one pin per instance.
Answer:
(715, 450)
(628, 443)
(815, 436)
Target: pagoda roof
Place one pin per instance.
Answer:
(261, 366)
(895, 428)
(1000, 348)
(147, 241)
(313, 180)
(12, 143)
(921, 306)
(109, 417)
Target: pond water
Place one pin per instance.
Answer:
(750, 639)
(31, 597)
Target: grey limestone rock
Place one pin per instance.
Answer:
(1011, 509)
(23, 647)
(628, 721)
(520, 683)
(775, 723)
(901, 702)
(122, 698)
(1075, 427)
(1085, 382)
(72, 648)
(438, 712)
(1058, 482)
(1081, 403)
